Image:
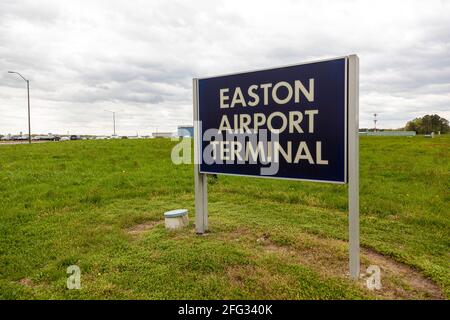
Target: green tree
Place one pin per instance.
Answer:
(428, 124)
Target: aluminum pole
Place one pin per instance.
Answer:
(353, 165)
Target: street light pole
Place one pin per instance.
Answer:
(29, 117)
(28, 93)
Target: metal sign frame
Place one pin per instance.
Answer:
(351, 160)
(344, 167)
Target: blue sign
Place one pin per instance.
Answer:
(288, 122)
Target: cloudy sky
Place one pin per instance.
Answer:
(139, 57)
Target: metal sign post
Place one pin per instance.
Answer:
(201, 181)
(353, 165)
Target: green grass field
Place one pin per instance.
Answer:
(100, 204)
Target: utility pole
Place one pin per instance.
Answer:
(375, 122)
(28, 93)
(114, 120)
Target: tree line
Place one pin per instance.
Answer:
(428, 124)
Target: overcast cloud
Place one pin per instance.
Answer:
(139, 57)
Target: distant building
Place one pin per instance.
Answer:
(186, 131)
(162, 134)
(388, 133)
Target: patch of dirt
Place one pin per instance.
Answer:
(417, 286)
(237, 274)
(142, 227)
(258, 280)
(330, 258)
(26, 282)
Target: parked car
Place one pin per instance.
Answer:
(75, 137)
(49, 137)
(19, 138)
(64, 139)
